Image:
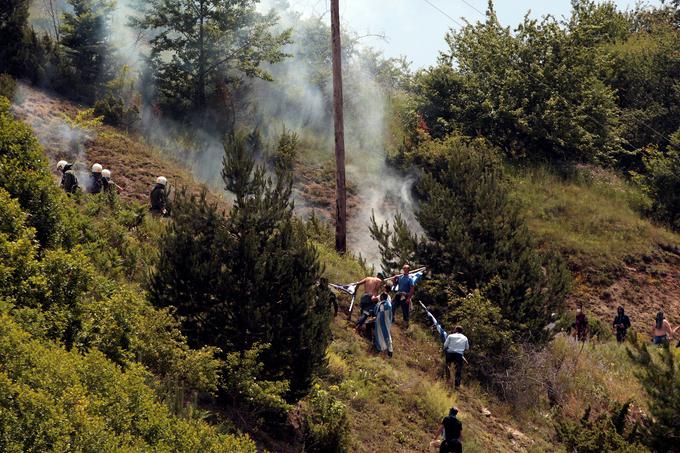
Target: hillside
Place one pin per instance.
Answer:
(395, 404)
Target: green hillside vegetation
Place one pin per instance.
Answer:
(545, 168)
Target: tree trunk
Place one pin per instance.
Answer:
(340, 193)
(200, 88)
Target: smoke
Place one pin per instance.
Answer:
(299, 99)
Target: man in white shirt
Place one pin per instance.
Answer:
(454, 347)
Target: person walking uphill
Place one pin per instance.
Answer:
(581, 325)
(452, 428)
(158, 197)
(663, 332)
(621, 325)
(405, 288)
(454, 347)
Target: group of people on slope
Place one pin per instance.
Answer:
(376, 302)
(662, 332)
(99, 180)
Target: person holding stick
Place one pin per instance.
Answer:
(454, 347)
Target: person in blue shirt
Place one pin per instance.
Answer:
(405, 288)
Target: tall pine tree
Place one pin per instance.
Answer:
(199, 47)
(250, 277)
(475, 238)
(87, 47)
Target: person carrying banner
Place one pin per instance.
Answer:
(405, 288)
(372, 286)
(454, 347)
(383, 320)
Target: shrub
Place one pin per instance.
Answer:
(605, 433)
(54, 400)
(7, 86)
(325, 424)
(23, 173)
(115, 112)
(660, 378)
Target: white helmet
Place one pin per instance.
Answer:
(96, 168)
(161, 180)
(106, 173)
(61, 164)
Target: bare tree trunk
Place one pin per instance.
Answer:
(340, 193)
(200, 94)
(51, 10)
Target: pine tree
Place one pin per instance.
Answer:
(210, 43)
(13, 27)
(248, 278)
(659, 375)
(85, 38)
(476, 238)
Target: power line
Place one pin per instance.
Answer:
(536, 79)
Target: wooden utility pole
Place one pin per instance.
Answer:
(340, 193)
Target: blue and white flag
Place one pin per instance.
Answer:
(383, 319)
(440, 329)
(350, 288)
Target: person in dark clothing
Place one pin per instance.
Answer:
(581, 325)
(621, 325)
(158, 197)
(453, 433)
(69, 182)
(96, 184)
(107, 184)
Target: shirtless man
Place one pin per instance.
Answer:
(372, 287)
(662, 332)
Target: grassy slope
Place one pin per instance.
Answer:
(394, 405)
(617, 257)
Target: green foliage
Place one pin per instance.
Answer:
(487, 330)
(660, 378)
(13, 26)
(200, 47)
(286, 152)
(253, 398)
(85, 360)
(7, 86)
(247, 278)
(487, 273)
(85, 38)
(54, 400)
(115, 112)
(396, 245)
(534, 93)
(662, 183)
(605, 433)
(325, 423)
(23, 173)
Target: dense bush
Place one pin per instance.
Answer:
(660, 378)
(53, 400)
(115, 112)
(325, 424)
(606, 433)
(7, 86)
(85, 359)
(662, 183)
